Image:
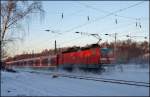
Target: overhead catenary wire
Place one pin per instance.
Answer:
(138, 23)
(100, 18)
(67, 16)
(69, 41)
(104, 11)
(120, 27)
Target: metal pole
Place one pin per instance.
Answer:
(55, 47)
(115, 54)
(56, 56)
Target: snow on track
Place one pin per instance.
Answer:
(36, 84)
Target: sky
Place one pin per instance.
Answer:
(102, 19)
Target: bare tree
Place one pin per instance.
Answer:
(13, 12)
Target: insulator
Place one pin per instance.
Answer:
(88, 18)
(116, 21)
(62, 16)
(140, 26)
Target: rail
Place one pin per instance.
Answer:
(126, 82)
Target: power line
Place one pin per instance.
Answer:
(118, 27)
(110, 13)
(68, 16)
(104, 11)
(100, 18)
(68, 41)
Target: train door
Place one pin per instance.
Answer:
(44, 62)
(49, 61)
(53, 61)
(57, 59)
(25, 63)
(37, 62)
(31, 62)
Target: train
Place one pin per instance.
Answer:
(92, 57)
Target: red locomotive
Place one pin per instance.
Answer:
(87, 57)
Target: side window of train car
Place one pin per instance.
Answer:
(53, 61)
(30, 62)
(22, 63)
(45, 61)
(13, 64)
(17, 63)
(25, 63)
(37, 62)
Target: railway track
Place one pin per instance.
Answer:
(134, 83)
(116, 81)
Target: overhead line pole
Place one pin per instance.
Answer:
(115, 44)
(55, 47)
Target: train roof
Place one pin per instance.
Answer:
(29, 59)
(74, 49)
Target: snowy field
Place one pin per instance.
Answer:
(37, 84)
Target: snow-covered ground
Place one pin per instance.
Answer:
(36, 84)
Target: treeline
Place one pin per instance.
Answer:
(126, 51)
(130, 51)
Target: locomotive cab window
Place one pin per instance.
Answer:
(106, 52)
